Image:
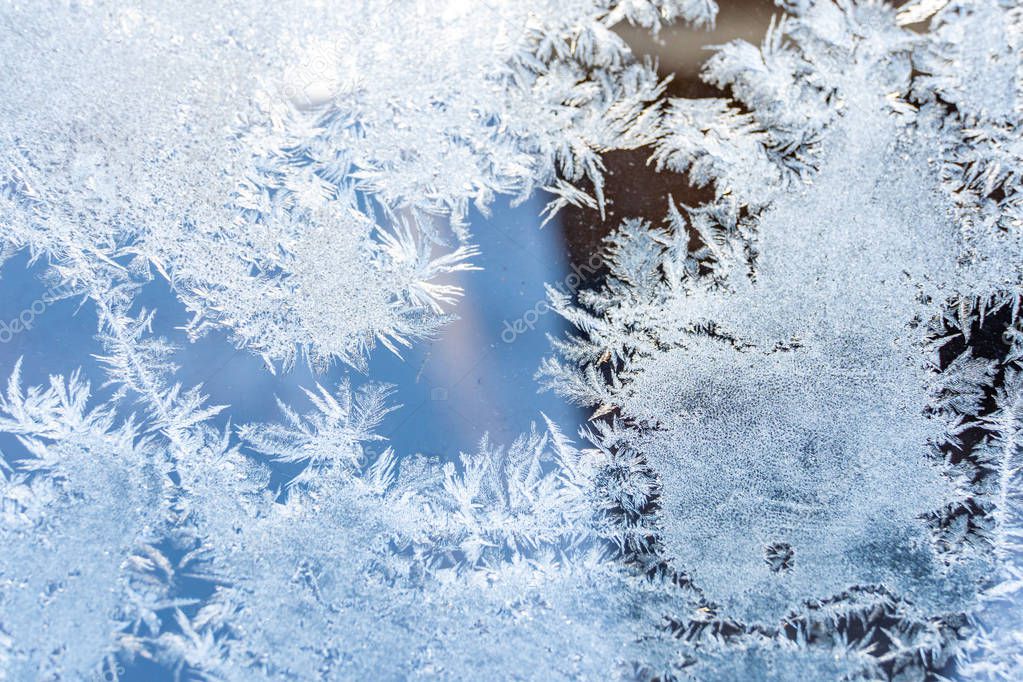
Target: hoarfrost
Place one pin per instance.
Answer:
(783, 378)
(804, 458)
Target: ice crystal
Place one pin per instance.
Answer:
(272, 162)
(422, 569)
(81, 577)
(803, 460)
(783, 378)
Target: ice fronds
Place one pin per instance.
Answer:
(293, 171)
(779, 357)
(85, 503)
(803, 460)
(417, 568)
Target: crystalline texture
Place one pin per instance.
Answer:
(781, 378)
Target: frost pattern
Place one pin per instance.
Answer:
(81, 576)
(273, 162)
(424, 570)
(780, 357)
(804, 457)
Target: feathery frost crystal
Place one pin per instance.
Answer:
(804, 456)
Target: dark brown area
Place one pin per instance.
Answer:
(633, 188)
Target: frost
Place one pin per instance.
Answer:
(421, 569)
(84, 506)
(300, 176)
(803, 460)
(782, 376)
(273, 162)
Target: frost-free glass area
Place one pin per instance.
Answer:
(527, 340)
